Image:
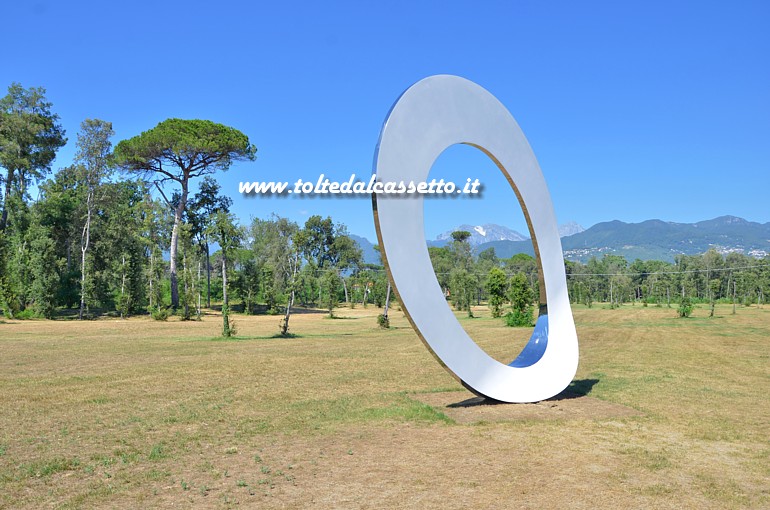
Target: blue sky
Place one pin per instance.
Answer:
(635, 110)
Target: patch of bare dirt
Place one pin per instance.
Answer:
(451, 467)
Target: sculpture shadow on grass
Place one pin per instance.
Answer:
(577, 389)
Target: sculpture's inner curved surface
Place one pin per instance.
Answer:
(536, 346)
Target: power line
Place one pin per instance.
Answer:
(646, 273)
(686, 271)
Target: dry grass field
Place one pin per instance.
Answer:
(665, 413)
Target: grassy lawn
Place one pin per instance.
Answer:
(143, 414)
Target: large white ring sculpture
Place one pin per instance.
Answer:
(429, 117)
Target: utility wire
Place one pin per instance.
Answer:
(686, 271)
(650, 273)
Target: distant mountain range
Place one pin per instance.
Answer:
(656, 239)
(652, 239)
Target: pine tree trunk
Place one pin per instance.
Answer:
(225, 307)
(728, 290)
(224, 279)
(199, 290)
(290, 301)
(285, 322)
(86, 237)
(186, 290)
(611, 302)
(6, 196)
(172, 265)
(123, 286)
(173, 249)
(152, 274)
(208, 276)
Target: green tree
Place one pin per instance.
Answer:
(265, 244)
(521, 296)
(317, 239)
(202, 207)
(279, 256)
(618, 283)
(289, 254)
(325, 244)
(30, 135)
(43, 265)
(442, 261)
(224, 231)
(461, 250)
(497, 285)
(463, 286)
(330, 282)
(93, 158)
(59, 208)
(460, 236)
(346, 255)
(34, 277)
(154, 227)
(714, 285)
(179, 150)
(685, 307)
(383, 281)
(187, 293)
(523, 263)
(119, 256)
(248, 280)
(485, 262)
(462, 281)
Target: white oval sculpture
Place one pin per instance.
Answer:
(429, 117)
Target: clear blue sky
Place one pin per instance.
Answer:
(635, 110)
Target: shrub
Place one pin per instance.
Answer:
(159, 314)
(228, 324)
(383, 321)
(519, 318)
(27, 313)
(685, 307)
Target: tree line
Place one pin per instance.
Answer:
(128, 229)
(123, 230)
(708, 278)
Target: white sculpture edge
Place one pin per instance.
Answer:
(433, 114)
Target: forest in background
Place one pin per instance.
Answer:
(129, 228)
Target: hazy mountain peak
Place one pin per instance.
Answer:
(490, 232)
(484, 234)
(570, 228)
